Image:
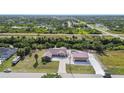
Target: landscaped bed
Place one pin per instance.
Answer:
(114, 61)
(79, 69)
(29, 65)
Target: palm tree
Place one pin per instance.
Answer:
(36, 57)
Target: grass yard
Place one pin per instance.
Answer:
(79, 69)
(114, 61)
(29, 65)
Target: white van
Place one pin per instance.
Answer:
(16, 60)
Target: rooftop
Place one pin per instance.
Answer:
(80, 54)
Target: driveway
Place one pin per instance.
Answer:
(62, 64)
(62, 67)
(96, 65)
(70, 58)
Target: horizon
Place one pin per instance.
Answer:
(63, 14)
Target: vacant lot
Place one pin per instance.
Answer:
(114, 61)
(79, 69)
(29, 65)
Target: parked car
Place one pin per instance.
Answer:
(7, 70)
(107, 74)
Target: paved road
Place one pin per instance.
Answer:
(81, 76)
(69, 35)
(96, 65)
(38, 75)
(21, 75)
(105, 32)
(117, 76)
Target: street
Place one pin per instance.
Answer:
(21, 75)
(38, 75)
(106, 32)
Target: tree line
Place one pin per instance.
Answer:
(26, 44)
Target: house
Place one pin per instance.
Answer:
(6, 53)
(55, 52)
(58, 52)
(80, 56)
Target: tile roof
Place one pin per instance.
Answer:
(80, 54)
(55, 51)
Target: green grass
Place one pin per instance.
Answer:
(29, 65)
(114, 61)
(79, 69)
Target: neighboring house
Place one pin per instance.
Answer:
(80, 56)
(55, 52)
(6, 53)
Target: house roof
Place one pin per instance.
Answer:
(80, 54)
(56, 51)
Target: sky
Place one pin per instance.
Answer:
(62, 7)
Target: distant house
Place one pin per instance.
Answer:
(55, 52)
(80, 56)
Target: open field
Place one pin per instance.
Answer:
(29, 65)
(79, 69)
(114, 61)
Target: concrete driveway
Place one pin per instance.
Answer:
(62, 63)
(62, 67)
(96, 65)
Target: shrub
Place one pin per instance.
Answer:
(53, 75)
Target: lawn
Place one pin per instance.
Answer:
(114, 61)
(29, 65)
(79, 69)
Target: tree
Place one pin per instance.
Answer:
(27, 50)
(36, 57)
(21, 53)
